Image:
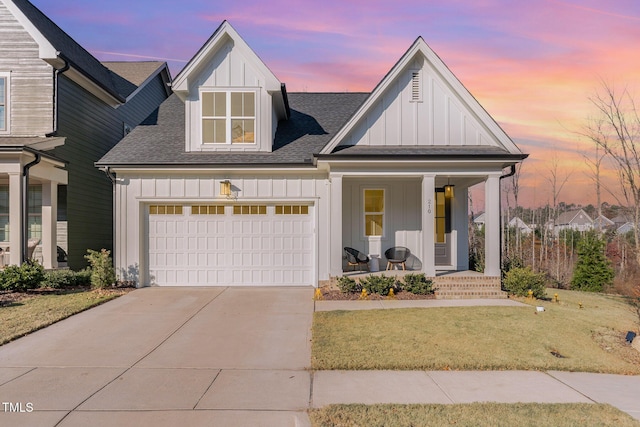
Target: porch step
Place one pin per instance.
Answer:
(468, 287)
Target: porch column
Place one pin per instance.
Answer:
(428, 225)
(335, 225)
(15, 217)
(49, 224)
(492, 225)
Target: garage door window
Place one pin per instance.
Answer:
(207, 210)
(165, 210)
(250, 210)
(292, 210)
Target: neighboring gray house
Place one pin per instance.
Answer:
(234, 181)
(60, 111)
(516, 222)
(625, 228)
(602, 223)
(575, 220)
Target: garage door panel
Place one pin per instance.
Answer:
(231, 249)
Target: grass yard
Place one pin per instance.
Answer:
(33, 312)
(563, 337)
(475, 414)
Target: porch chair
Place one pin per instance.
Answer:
(397, 256)
(355, 258)
(31, 246)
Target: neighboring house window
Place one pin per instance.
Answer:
(228, 117)
(374, 212)
(35, 212)
(4, 213)
(4, 102)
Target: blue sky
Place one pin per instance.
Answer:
(532, 64)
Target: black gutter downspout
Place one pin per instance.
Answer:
(511, 173)
(24, 208)
(56, 74)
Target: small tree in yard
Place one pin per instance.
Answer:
(102, 272)
(593, 271)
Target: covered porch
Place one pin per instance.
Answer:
(426, 213)
(29, 181)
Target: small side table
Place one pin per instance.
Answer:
(374, 262)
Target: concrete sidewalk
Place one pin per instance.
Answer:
(443, 387)
(233, 357)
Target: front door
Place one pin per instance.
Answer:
(442, 228)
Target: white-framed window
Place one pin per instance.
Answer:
(4, 102)
(228, 117)
(374, 208)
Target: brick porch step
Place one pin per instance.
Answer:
(468, 287)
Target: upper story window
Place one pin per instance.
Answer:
(4, 102)
(228, 117)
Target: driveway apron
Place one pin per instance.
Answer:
(167, 356)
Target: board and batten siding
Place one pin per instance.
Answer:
(438, 118)
(92, 128)
(135, 191)
(230, 69)
(31, 79)
(402, 217)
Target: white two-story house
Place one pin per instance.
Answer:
(235, 181)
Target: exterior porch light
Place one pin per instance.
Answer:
(448, 191)
(225, 188)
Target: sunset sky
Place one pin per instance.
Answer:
(533, 65)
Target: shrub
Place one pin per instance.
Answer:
(20, 278)
(348, 285)
(593, 271)
(519, 280)
(58, 279)
(418, 284)
(378, 284)
(102, 272)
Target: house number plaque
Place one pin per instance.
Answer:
(429, 206)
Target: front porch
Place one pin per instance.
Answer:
(428, 214)
(29, 207)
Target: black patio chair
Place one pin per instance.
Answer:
(355, 258)
(397, 256)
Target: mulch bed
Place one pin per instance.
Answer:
(336, 295)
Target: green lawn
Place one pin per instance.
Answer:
(589, 339)
(38, 311)
(475, 414)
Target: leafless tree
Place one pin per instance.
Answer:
(616, 129)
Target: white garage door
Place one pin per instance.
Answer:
(225, 245)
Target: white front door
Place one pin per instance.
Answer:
(250, 245)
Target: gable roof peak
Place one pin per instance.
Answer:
(218, 40)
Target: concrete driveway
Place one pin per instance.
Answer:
(166, 357)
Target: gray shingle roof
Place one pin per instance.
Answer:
(76, 55)
(160, 139)
(133, 73)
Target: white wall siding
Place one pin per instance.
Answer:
(134, 191)
(440, 118)
(229, 68)
(402, 222)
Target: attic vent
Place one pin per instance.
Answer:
(416, 88)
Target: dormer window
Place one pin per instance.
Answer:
(228, 117)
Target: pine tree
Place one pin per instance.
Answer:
(593, 271)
